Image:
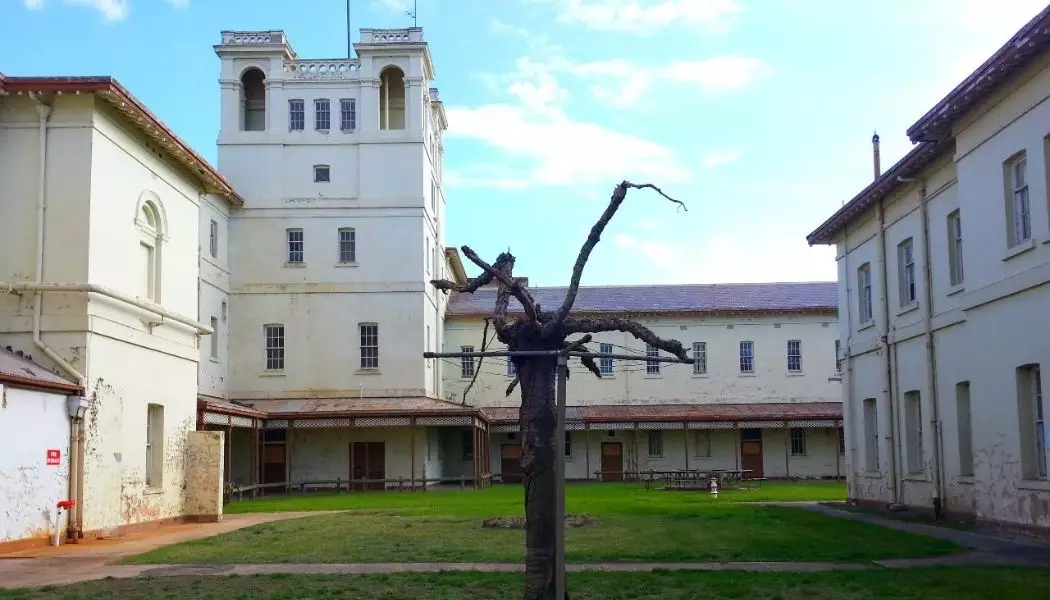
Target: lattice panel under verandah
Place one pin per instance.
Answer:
(814, 423)
(711, 425)
(276, 424)
(330, 423)
(444, 421)
(613, 425)
(242, 422)
(382, 421)
(211, 418)
(761, 424)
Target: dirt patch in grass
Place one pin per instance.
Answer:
(519, 522)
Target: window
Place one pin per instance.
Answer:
(512, 369)
(434, 197)
(296, 115)
(1018, 208)
(322, 174)
(605, 365)
(466, 363)
(430, 363)
(702, 443)
(148, 259)
(955, 254)
(213, 238)
(794, 356)
(838, 356)
(913, 431)
(253, 100)
(699, 358)
(154, 445)
(568, 444)
(964, 424)
(274, 340)
(392, 98)
(369, 346)
(467, 443)
(1032, 419)
(871, 435)
(747, 357)
(347, 115)
(906, 272)
(347, 245)
(215, 338)
(864, 311)
(842, 441)
(150, 236)
(652, 367)
(656, 443)
(295, 245)
(322, 114)
(798, 442)
(426, 256)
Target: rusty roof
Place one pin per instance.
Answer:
(1028, 44)
(655, 299)
(228, 408)
(604, 413)
(19, 370)
(327, 407)
(111, 91)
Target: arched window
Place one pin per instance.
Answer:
(253, 100)
(150, 223)
(392, 98)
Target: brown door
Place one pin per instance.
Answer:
(510, 462)
(612, 461)
(751, 451)
(273, 463)
(368, 461)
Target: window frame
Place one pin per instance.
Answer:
(747, 358)
(797, 356)
(295, 245)
(274, 347)
(296, 114)
(368, 332)
(865, 308)
(605, 365)
(655, 439)
(347, 115)
(467, 364)
(213, 238)
(1019, 201)
(956, 270)
(908, 289)
(798, 441)
(322, 173)
(347, 240)
(322, 115)
(699, 358)
(652, 367)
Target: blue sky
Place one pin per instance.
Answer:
(757, 114)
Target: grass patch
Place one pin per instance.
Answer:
(591, 498)
(631, 525)
(908, 584)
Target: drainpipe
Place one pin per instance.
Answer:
(931, 356)
(887, 346)
(847, 405)
(76, 425)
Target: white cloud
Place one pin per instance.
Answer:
(720, 158)
(112, 10)
(647, 16)
(34, 4)
(735, 258)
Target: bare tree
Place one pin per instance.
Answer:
(544, 330)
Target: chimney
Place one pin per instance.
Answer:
(875, 153)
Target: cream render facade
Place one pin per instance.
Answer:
(944, 288)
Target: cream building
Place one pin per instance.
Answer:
(944, 298)
(105, 202)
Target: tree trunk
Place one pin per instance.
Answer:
(538, 423)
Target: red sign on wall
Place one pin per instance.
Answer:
(54, 457)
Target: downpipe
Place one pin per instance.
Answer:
(887, 347)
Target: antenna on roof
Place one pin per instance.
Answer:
(412, 13)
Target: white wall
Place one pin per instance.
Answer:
(31, 423)
(213, 374)
(324, 454)
(676, 384)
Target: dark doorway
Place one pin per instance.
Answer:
(612, 461)
(368, 461)
(751, 451)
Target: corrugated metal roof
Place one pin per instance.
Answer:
(21, 371)
(328, 406)
(699, 298)
(684, 412)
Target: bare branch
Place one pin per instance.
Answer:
(618, 196)
(580, 345)
(502, 271)
(513, 384)
(477, 369)
(634, 328)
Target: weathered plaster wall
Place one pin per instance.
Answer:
(204, 469)
(324, 454)
(31, 423)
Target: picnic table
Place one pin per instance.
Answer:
(695, 479)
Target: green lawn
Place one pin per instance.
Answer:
(632, 525)
(910, 584)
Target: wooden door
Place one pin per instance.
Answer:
(751, 451)
(612, 461)
(274, 463)
(510, 462)
(368, 461)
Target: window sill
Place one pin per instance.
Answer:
(653, 377)
(1035, 485)
(213, 359)
(795, 374)
(341, 265)
(746, 375)
(956, 289)
(368, 372)
(152, 491)
(700, 376)
(916, 477)
(608, 376)
(322, 131)
(294, 265)
(272, 374)
(871, 475)
(866, 325)
(907, 309)
(966, 480)
(1021, 248)
(347, 131)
